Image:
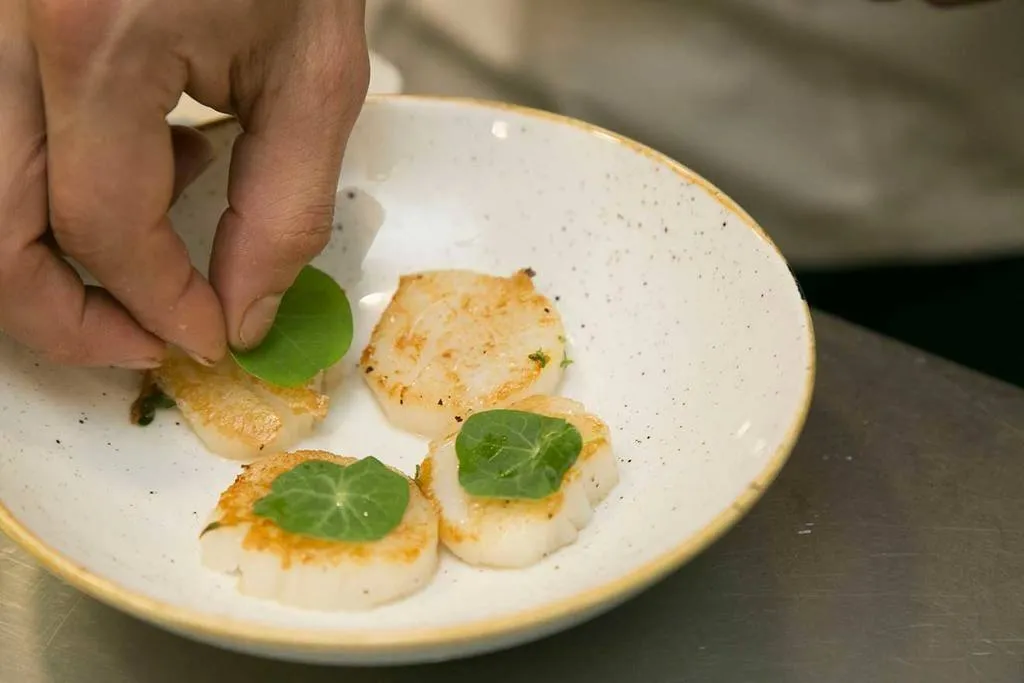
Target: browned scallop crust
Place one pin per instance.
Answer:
(403, 545)
(545, 508)
(473, 325)
(227, 399)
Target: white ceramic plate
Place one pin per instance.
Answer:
(690, 339)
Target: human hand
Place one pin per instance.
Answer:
(88, 163)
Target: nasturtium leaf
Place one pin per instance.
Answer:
(515, 454)
(354, 503)
(312, 331)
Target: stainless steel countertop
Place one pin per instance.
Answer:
(891, 548)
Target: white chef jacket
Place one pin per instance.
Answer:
(854, 131)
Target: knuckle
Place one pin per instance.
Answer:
(71, 205)
(306, 236)
(72, 29)
(73, 239)
(343, 76)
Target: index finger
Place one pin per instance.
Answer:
(111, 177)
(43, 303)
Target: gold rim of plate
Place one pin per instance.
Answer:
(585, 602)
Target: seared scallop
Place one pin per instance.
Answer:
(235, 414)
(454, 342)
(512, 533)
(313, 572)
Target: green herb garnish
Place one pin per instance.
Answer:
(144, 408)
(210, 527)
(163, 402)
(312, 331)
(566, 361)
(540, 357)
(515, 454)
(360, 502)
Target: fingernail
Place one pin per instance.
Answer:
(140, 364)
(257, 320)
(202, 360)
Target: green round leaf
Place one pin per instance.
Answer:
(312, 331)
(515, 454)
(357, 503)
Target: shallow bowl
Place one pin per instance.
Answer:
(689, 335)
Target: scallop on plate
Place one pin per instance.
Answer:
(575, 364)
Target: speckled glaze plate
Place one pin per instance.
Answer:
(689, 335)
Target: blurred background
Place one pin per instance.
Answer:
(880, 143)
